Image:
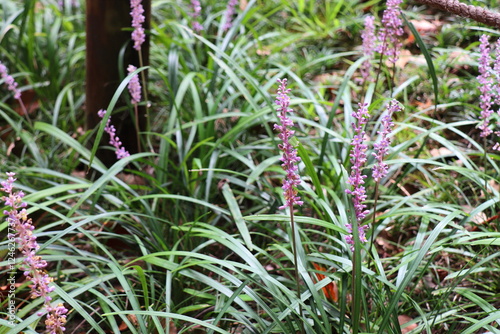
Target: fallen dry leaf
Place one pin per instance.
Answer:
(439, 152)
(406, 57)
(243, 4)
(331, 290)
(426, 26)
(423, 27)
(403, 319)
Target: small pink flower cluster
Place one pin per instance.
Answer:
(369, 41)
(195, 14)
(289, 158)
(9, 81)
(387, 41)
(485, 86)
(230, 10)
(380, 168)
(356, 179)
(391, 31)
(489, 86)
(138, 35)
(134, 86)
(33, 265)
(113, 138)
(359, 159)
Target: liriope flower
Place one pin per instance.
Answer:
(113, 138)
(9, 81)
(196, 12)
(138, 35)
(356, 179)
(369, 45)
(289, 157)
(485, 86)
(380, 168)
(33, 265)
(134, 86)
(230, 10)
(391, 31)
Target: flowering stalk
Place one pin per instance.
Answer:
(230, 10)
(196, 12)
(380, 168)
(485, 86)
(496, 74)
(356, 179)
(9, 81)
(289, 158)
(33, 265)
(134, 88)
(138, 35)
(369, 45)
(357, 230)
(290, 161)
(392, 29)
(113, 138)
(11, 84)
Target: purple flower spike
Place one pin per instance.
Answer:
(196, 12)
(369, 42)
(485, 86)
(356, 179)
(113, 138)
(138, 35)
(392, 29)
(382, 147)
(33, 265)
(9, 81)
(496, 74)
(196, 8)
(134, 86)
(289, 158)
(230, 10)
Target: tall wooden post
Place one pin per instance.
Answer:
(106, 37)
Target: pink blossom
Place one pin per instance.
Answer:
(369, 42)
(380, 168)
(33, 265)
(485, 86)
(138, 35)
(195, 14)
(113, 138)
(9, 81)
(230, 10)
(356, 179)
(134, 86)
(289, 158)
(391, 31)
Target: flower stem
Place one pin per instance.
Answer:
(25, 111)
(372, 237)
(296, 266)
(145, 92)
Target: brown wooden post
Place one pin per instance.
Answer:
(105, 38)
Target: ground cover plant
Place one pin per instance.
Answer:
(307, 167)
